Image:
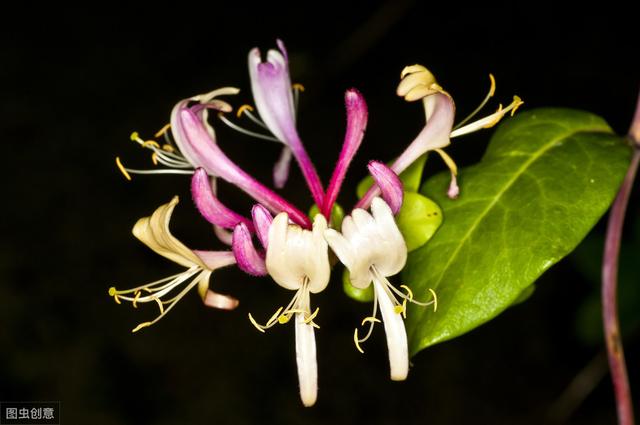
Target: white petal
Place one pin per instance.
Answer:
(395, 333)
(306, 360)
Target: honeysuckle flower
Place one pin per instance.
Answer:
(274, 100)
(372, 248)
(297, 259)
(418, 83)
(154, 232)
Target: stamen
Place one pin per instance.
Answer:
(243, 108)
(297, 87)
(244, 131)
(141, 325)
(357, 341)
(150, 143)
(274, 318)
(154, 158)
(370, 319)
(489, 120)
(489, 95)
(254, 323)
(163, 130)
(435, 300)
(168, 148)
(122, 169)
(409, 292)
(312, 316)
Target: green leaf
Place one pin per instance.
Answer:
(410, 177)
(546, 178)
(418, 219)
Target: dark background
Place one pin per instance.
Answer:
(75, 83)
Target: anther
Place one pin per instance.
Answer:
(435, 300)
(297, 86)
(162, 130)
(243, 108)
(254, 323)
(140, 326)
(357, 341)
(122, 169)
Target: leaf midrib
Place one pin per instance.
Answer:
(507, 186)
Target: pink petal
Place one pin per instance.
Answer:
(216, 300)
(281, 169)
(262, 220)
(434, 135)
(216, 259)
(389, 183)
(210, 206)
(208, 155)
(249, 259)
(357, 115)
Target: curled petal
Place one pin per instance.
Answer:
(357, 115)
(262, 220)
(154, 232)
(249, 259)
(434, 135)
(389, 183)
(210, 206)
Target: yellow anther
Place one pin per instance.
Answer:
(135, 299)
(160, 305)
(116, 299)
(243, 108)
(492, 90)
(154, 158)
(370, 319)
(273, 318)
(409, 291)
(162, 130)
(122, 169)
(404, 308)
(151, 143)
(297, 86)
(140, 326)
(168, 148)
(435, 300)
(517, 102)
(357, 341)
(254, 323)
(312, 316)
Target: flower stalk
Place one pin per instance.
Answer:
(615, 351)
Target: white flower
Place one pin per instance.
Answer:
(297, 259)
(372, 248)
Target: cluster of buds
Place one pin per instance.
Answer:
(277, 239)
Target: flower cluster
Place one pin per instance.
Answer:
(276, 238)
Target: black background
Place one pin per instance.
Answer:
(75, 83)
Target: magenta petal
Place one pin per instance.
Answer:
(434, 135)
(210, 206)
(216, 259)
(262, 221)
(389, 183)
(249, 259)
(281, 169)
(357, 115)
(209, 156)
